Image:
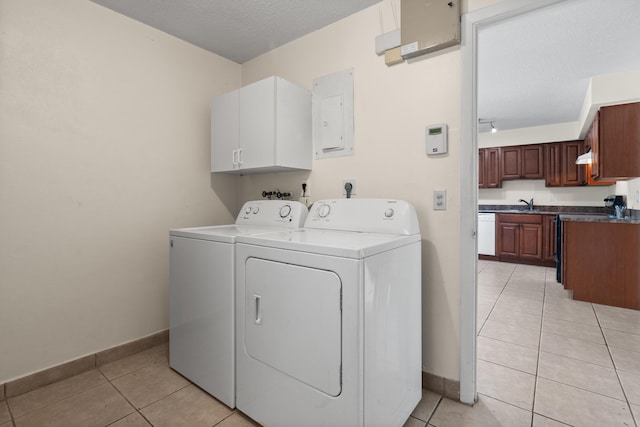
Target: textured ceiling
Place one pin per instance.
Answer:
(534, 69)
(238, 30)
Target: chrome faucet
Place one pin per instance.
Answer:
(529, 204)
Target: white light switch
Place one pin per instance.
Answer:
(440, 200)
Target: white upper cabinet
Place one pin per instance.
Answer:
(262, 127)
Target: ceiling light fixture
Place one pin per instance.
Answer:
(491, 126)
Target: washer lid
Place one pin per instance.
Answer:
(345, 244)
(220, 233)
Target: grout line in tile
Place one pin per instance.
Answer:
(434, 410)
(55, 402)
(613, 362)
(494, 304)
(551, 418)
(535, 384)
(575, 338)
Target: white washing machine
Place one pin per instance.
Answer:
(329, 318)
(202, 296)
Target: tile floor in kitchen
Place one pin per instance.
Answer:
(543, 360)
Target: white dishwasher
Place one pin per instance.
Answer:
(487, 234)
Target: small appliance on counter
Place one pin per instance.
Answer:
(613, 200)
(610, 203)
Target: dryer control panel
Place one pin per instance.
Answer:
(386, 216)
(273, 213)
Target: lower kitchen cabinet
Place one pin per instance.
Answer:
(520, 238)
(549, 240)
(600, 262)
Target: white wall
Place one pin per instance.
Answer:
(633, 197)
(392, 107)
(104, 146)
(512, 191)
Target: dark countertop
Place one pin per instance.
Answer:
(542, 209)
(599, 218)
(567, 213)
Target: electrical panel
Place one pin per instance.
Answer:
(332, 113)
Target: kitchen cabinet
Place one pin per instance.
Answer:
(549, 240)
(262, 127)
(489, 168)
(614, 138)
(600, 262)
(560, 164)
(520, 237)
(591, 143)
(522, 162)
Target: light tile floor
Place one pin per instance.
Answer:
(140, 390)
(544, 360)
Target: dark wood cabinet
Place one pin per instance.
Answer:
(600, 262)
(520, 237)
(511, 162)
(614, 138)
(549, 240)
(553, 165)
(489, 168)
(522, 162)
(560, 164)
(592, 143)
(572, 174)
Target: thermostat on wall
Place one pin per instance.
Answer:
(436, 139)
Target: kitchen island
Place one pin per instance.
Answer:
(601, 259)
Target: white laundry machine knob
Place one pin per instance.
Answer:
(389, 213)
(248, 210)
(256, 210)
(285, 211)
(324, 211)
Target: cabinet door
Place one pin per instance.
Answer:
(511, 162)
(257, 130)
(594, 144)
(618, 144)
(482, 171)
(549, 239)
(532, 161)
(492, 165)
(531, 241)
(553, 165)
(224, 132)
(591, 142)
(572, 174)
(508, 239)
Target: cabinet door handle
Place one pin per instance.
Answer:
(239, 156)
(234, 156)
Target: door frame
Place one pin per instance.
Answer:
(471, 23)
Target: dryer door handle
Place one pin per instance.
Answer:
(258, 309)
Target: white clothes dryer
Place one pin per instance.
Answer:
(202, 295)
(329, 318)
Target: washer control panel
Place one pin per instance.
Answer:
(364, 215)
(281, 213)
